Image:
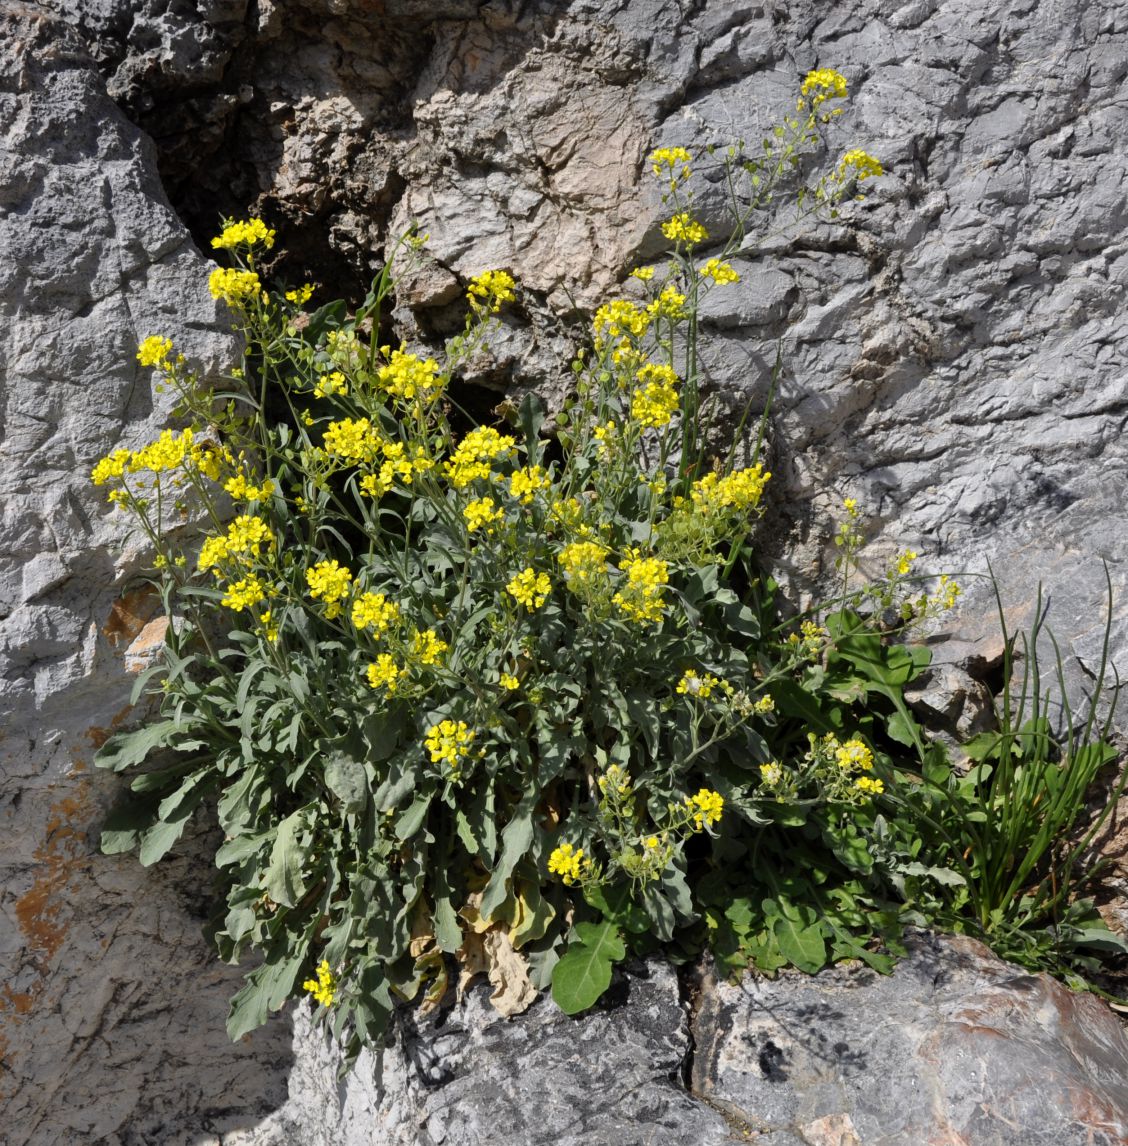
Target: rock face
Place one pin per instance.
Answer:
(954, 1049)
(954, 358)
(111, 1005)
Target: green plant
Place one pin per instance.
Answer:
(471, 696)
(1013, 824)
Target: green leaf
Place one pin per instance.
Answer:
(128, 749)
(266, 988)
(584, 970)
(412, 819)
(800, 936)
(347, 779)
(283, 876)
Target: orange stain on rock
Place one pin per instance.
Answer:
(129, 614)
(40, 910)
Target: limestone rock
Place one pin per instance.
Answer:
(111, 1004)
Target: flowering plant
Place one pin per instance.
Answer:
(470, 696)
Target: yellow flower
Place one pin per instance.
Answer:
(903, 563)
(324, 987)
(330, 582)
(509, 682)
(947, 592)
(489, 290)
(471, 459)
(154, 350)
(619, 318)
(328, 384)
(374, 611)
(427, 648)
(669, 304)
(244, 594)
(853, 755)
(720, 272)
(407, 375)
(869, 786)
(684, 229)
(640, 598)
(244, 234)
(385, 673)
(826, 83)
(529, 588)
(482, 513)
(449, 743)
(737, 492)
(671, 159)
(353, 439)
(656, 402)
(771, 773)
(584, 563)
(524, 483)
(643, 274)
(693, 685)
(859, 165)
(300, 295)
(111, 467)
(166, 453)
(269, 625)
(706, 808)
(764, 706)
(232, 286)
(569, 863)
(242, 490)
(616, 780)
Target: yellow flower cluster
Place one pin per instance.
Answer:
(471, 458)
(852, 756)
(859, 165)
(242, 490)
(826, 83)
(529, 588)
(656, 402)
(693, 685)
(615, 781)
(720, 272)
(246, 234)
(330, 384)
(619, 318)
(683, 228)
(329, 581)
(111, 467)
(300, 295)
(669, 304)
(354, 439)
(154, 350)
(584, 563)
(324, 987)
(947, 592)
(903, 562)
(406, 376)
(643, 274)
(509, 682)
(868, 786)
(738, 491)
(166, 453)
(245, 537)
(427, 648)
(385, 673)
(374, 611)
(569, 863)
(482, 513)
(244, 594)
(640, 598)
(524, 484)
(671, 162)
(490, 290)
(449, 743)
(234, 287)
(706, 808)
(771, 774)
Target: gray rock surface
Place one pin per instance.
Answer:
(954, 1049)
(955, 358)
(111, 1005)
